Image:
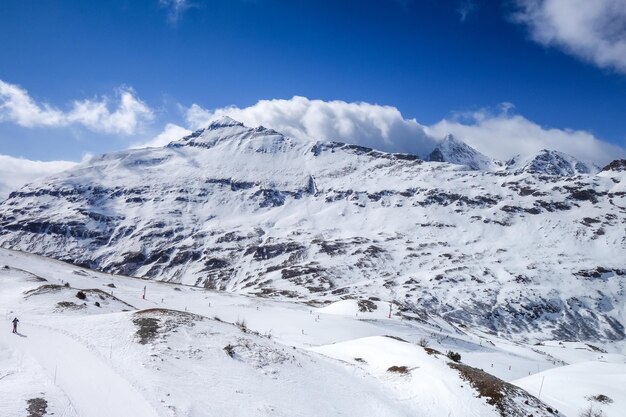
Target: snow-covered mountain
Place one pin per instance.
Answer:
(456, 151)
(550, 163)
(249, 210)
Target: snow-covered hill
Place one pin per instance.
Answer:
(250, 211)
(168, 350)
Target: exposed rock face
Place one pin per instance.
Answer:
(618, 165)
(250, 210)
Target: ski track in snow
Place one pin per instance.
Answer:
(93, 387)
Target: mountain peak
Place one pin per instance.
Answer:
(455, 151)
(550, 162)
(224, 121)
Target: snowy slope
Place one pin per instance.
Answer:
(571, 389)
(286, 359)
(250, 211)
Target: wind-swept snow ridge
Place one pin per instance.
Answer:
(252, 211)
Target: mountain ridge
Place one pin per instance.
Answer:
(252, 211)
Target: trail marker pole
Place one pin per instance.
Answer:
(541, 387)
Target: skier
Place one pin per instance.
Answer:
(15, 321)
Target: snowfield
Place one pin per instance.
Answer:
(184, 351)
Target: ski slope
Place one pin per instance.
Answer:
(288, 359)
(93, 387)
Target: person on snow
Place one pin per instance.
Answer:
(15, 321)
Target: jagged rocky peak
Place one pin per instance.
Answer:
(455, 151)
(619, 165)
(550, 162)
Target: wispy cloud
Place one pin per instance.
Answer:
(127, 117)
(465, 8)
(594, 30)
(176, 9)
(16, 172)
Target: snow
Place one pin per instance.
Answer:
(351, 308)
(428, 388)
(293, 359)
(80, 372)
(571, 389)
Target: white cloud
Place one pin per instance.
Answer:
(17, 106)
(594, 30)
(16, 172)
(500, 134)
(381, 127)
(170, 133)
(503, 135)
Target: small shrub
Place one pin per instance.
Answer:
(81, 295)
(366, 306)
(398, 369)
(399, 339)
(147, 329)
(454, 356)
(432, 351)
(601, 398)
(423, 342)
(590, 412)
(230, 350)
(242, 325)
(37, 407)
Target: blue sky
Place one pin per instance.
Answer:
(479, 69)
